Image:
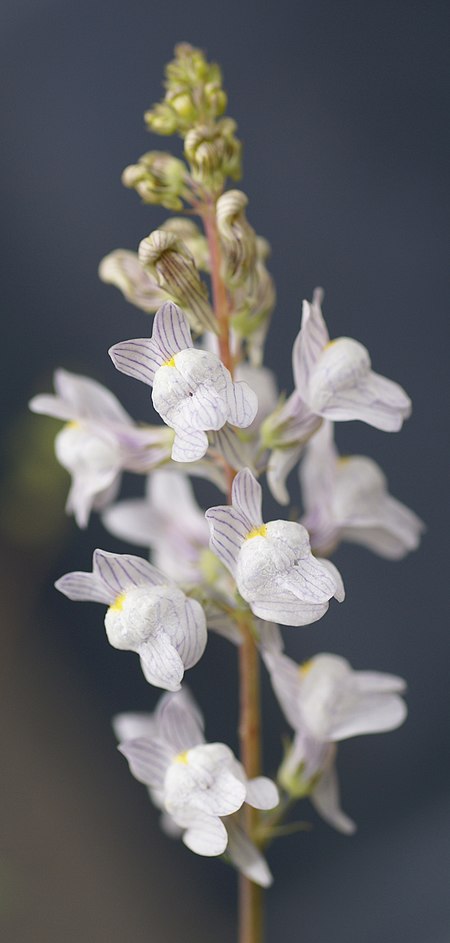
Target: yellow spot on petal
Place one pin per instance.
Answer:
(330, 344)
(169, 363)
(305, 668)
(73, 424)
(182, 758)
(343, 459)
(257, 532)
(117, 605)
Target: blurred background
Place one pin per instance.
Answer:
(343, 113)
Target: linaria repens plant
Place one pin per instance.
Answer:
(228, 570)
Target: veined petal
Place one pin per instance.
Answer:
(138, 358)
(90, 399)
(206, 835)
(84, 587)
(311, 581)
(171, 331)
(285, 678)
(161, 663)
(148, 759)
(121, 571)
(380, 402)
(189, 445)
(242, 403)
(245, 855)
(193, 639)
(310, 341)
(288, 611)
(281, 462)
(247, 498)
(262, 793)
(238, 453)
(339, 592)
(179, 721)
(326, 800)
(228, 530)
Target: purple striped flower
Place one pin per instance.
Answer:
(192, 390)
(272, 563)
(147, 614)
(196, 784)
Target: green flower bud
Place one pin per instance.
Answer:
(194, 240)
(159, 178)
(214, 153)
(162, 119)
(237, 238)
(168, 260)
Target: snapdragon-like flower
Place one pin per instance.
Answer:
(192, 390)
(272, 563)
(147, 614)
(346, 498)
(335, 378)
(169, 521)
(98, 442)
(326, 701)
(197, 784)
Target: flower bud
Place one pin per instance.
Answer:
(161, 119)
(158, 178)
(214, 153)
(238, 239)
(168, 260)
(194, 240)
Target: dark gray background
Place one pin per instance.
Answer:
(343, 112)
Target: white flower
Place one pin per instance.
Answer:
(335, 379)
(325, 701)
(272, 563)
(147, 614)
(169, 521)
(98, 442)
(197, 784)
(347, 499)
(123, 269)
(192, 390)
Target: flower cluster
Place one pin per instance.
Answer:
(219, 417)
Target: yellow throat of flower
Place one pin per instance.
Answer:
(257, 532)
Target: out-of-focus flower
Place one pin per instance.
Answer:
(192, 391)
(346, 498)
(196, 783)
(147, 614)
(123, 269)
(326, 701)
(98, 442)
(272, 563)
(335, 378)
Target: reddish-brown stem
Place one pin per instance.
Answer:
(250, 894)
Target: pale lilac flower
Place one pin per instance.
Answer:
(147, 614)
(169, 521)
(335, 379)
(326, 701)
(98, 442)
(192, 390)
(196, 783)
(272, 563)
(346, 498)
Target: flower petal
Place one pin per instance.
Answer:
(245, 855)
(380, 402)
(228, 530)
(179, 721)
(90, 399)
(326, 800)
(262, 793)
(161, 663)
(171, 331)
(191, 645)
(148, 759)
(237, 452)
(242, 403)
(247, 498)
(206, 835)
(375, 682)
(288, 611)
(138, 358)
(189, 445)
(131, 726)
(121, 571)
(281, 462)
(374, 713)
(84, 587)
(310, 341)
